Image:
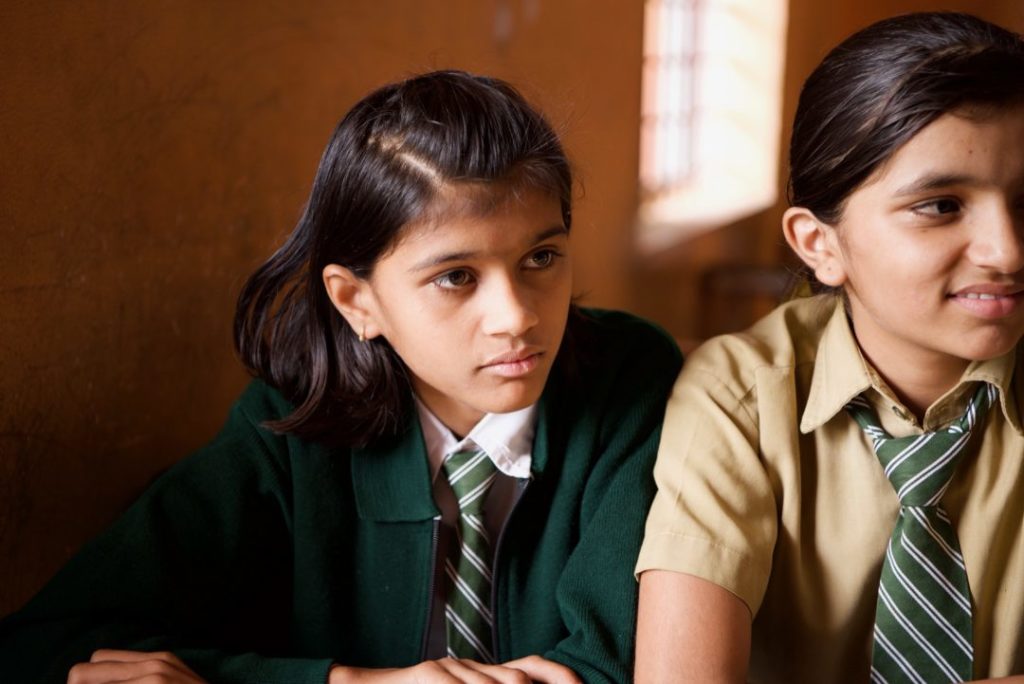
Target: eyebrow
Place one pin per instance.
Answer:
(447, 257)
(935, 181)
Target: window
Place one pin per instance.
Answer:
(710, 114)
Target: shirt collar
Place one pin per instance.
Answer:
(506, 438)
(999, 371)
(841, 373)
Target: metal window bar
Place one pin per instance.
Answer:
(669, 94)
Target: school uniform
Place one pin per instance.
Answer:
(266, 558)
(768, 488)
(506, 440)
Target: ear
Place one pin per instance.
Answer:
(353, 297)
(816, 243)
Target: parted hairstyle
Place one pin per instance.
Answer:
(879, 87)
(398, 156)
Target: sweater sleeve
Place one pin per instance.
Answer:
(179, 570)
(597, 593)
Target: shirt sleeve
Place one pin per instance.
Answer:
(714, 515)
(179, 567)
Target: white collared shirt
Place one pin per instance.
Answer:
(507, 439)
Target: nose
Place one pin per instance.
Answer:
(998, 243)
(508, 309)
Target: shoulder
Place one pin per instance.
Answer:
(246, 423)
(246, 442)
(609, 337)
(783, 341)
(243, 466)
(602, 412)
(615, 362)
(260, 402)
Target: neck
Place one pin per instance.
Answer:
(917, 379)
(457, 417)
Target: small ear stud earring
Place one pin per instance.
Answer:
(362, 334)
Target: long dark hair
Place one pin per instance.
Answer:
(879, 87)
(386, 164)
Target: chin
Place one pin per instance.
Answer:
(503, 401)
(507, 406)
(990, 347)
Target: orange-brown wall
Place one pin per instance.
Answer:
(152, 153)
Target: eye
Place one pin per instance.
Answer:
(943, 206)
(542, 258)
(453, 280)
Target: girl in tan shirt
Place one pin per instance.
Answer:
(771, 527)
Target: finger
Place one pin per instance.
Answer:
(110, 671)
(115, 665)
(116, 655)
(467, 671)
(497, 673)
(546, 671)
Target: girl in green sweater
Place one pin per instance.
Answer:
(441, 471)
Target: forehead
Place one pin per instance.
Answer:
(983, 142)
(460, 211)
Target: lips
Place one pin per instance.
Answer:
(989, 290)
(990, 300)
(514, 363)
(512, 356)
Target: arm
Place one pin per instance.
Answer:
(611, 446)
(690, 630)
(178, 572)
(108, 666)
(192, 582)
(710, 535)
(455, 671)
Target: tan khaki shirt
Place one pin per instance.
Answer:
(769, 489)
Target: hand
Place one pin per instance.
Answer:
(544, 671)
(108, 665)
(459, 671)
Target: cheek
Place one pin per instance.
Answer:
(553, 309)
(413, 329)
(888, 262)
(560, 292)
(926, 268)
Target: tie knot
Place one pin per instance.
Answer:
(470, 474)
(920, 467)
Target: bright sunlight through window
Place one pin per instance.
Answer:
(711, 114)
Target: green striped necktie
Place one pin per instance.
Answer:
(467, 608)
(923, 631)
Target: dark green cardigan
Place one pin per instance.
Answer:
(263, 558)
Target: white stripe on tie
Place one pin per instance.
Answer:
(467, 607)
(922, 519)
(923, 620)
(915, 634)
(456, 621)
(932, 611)
(897, 657)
